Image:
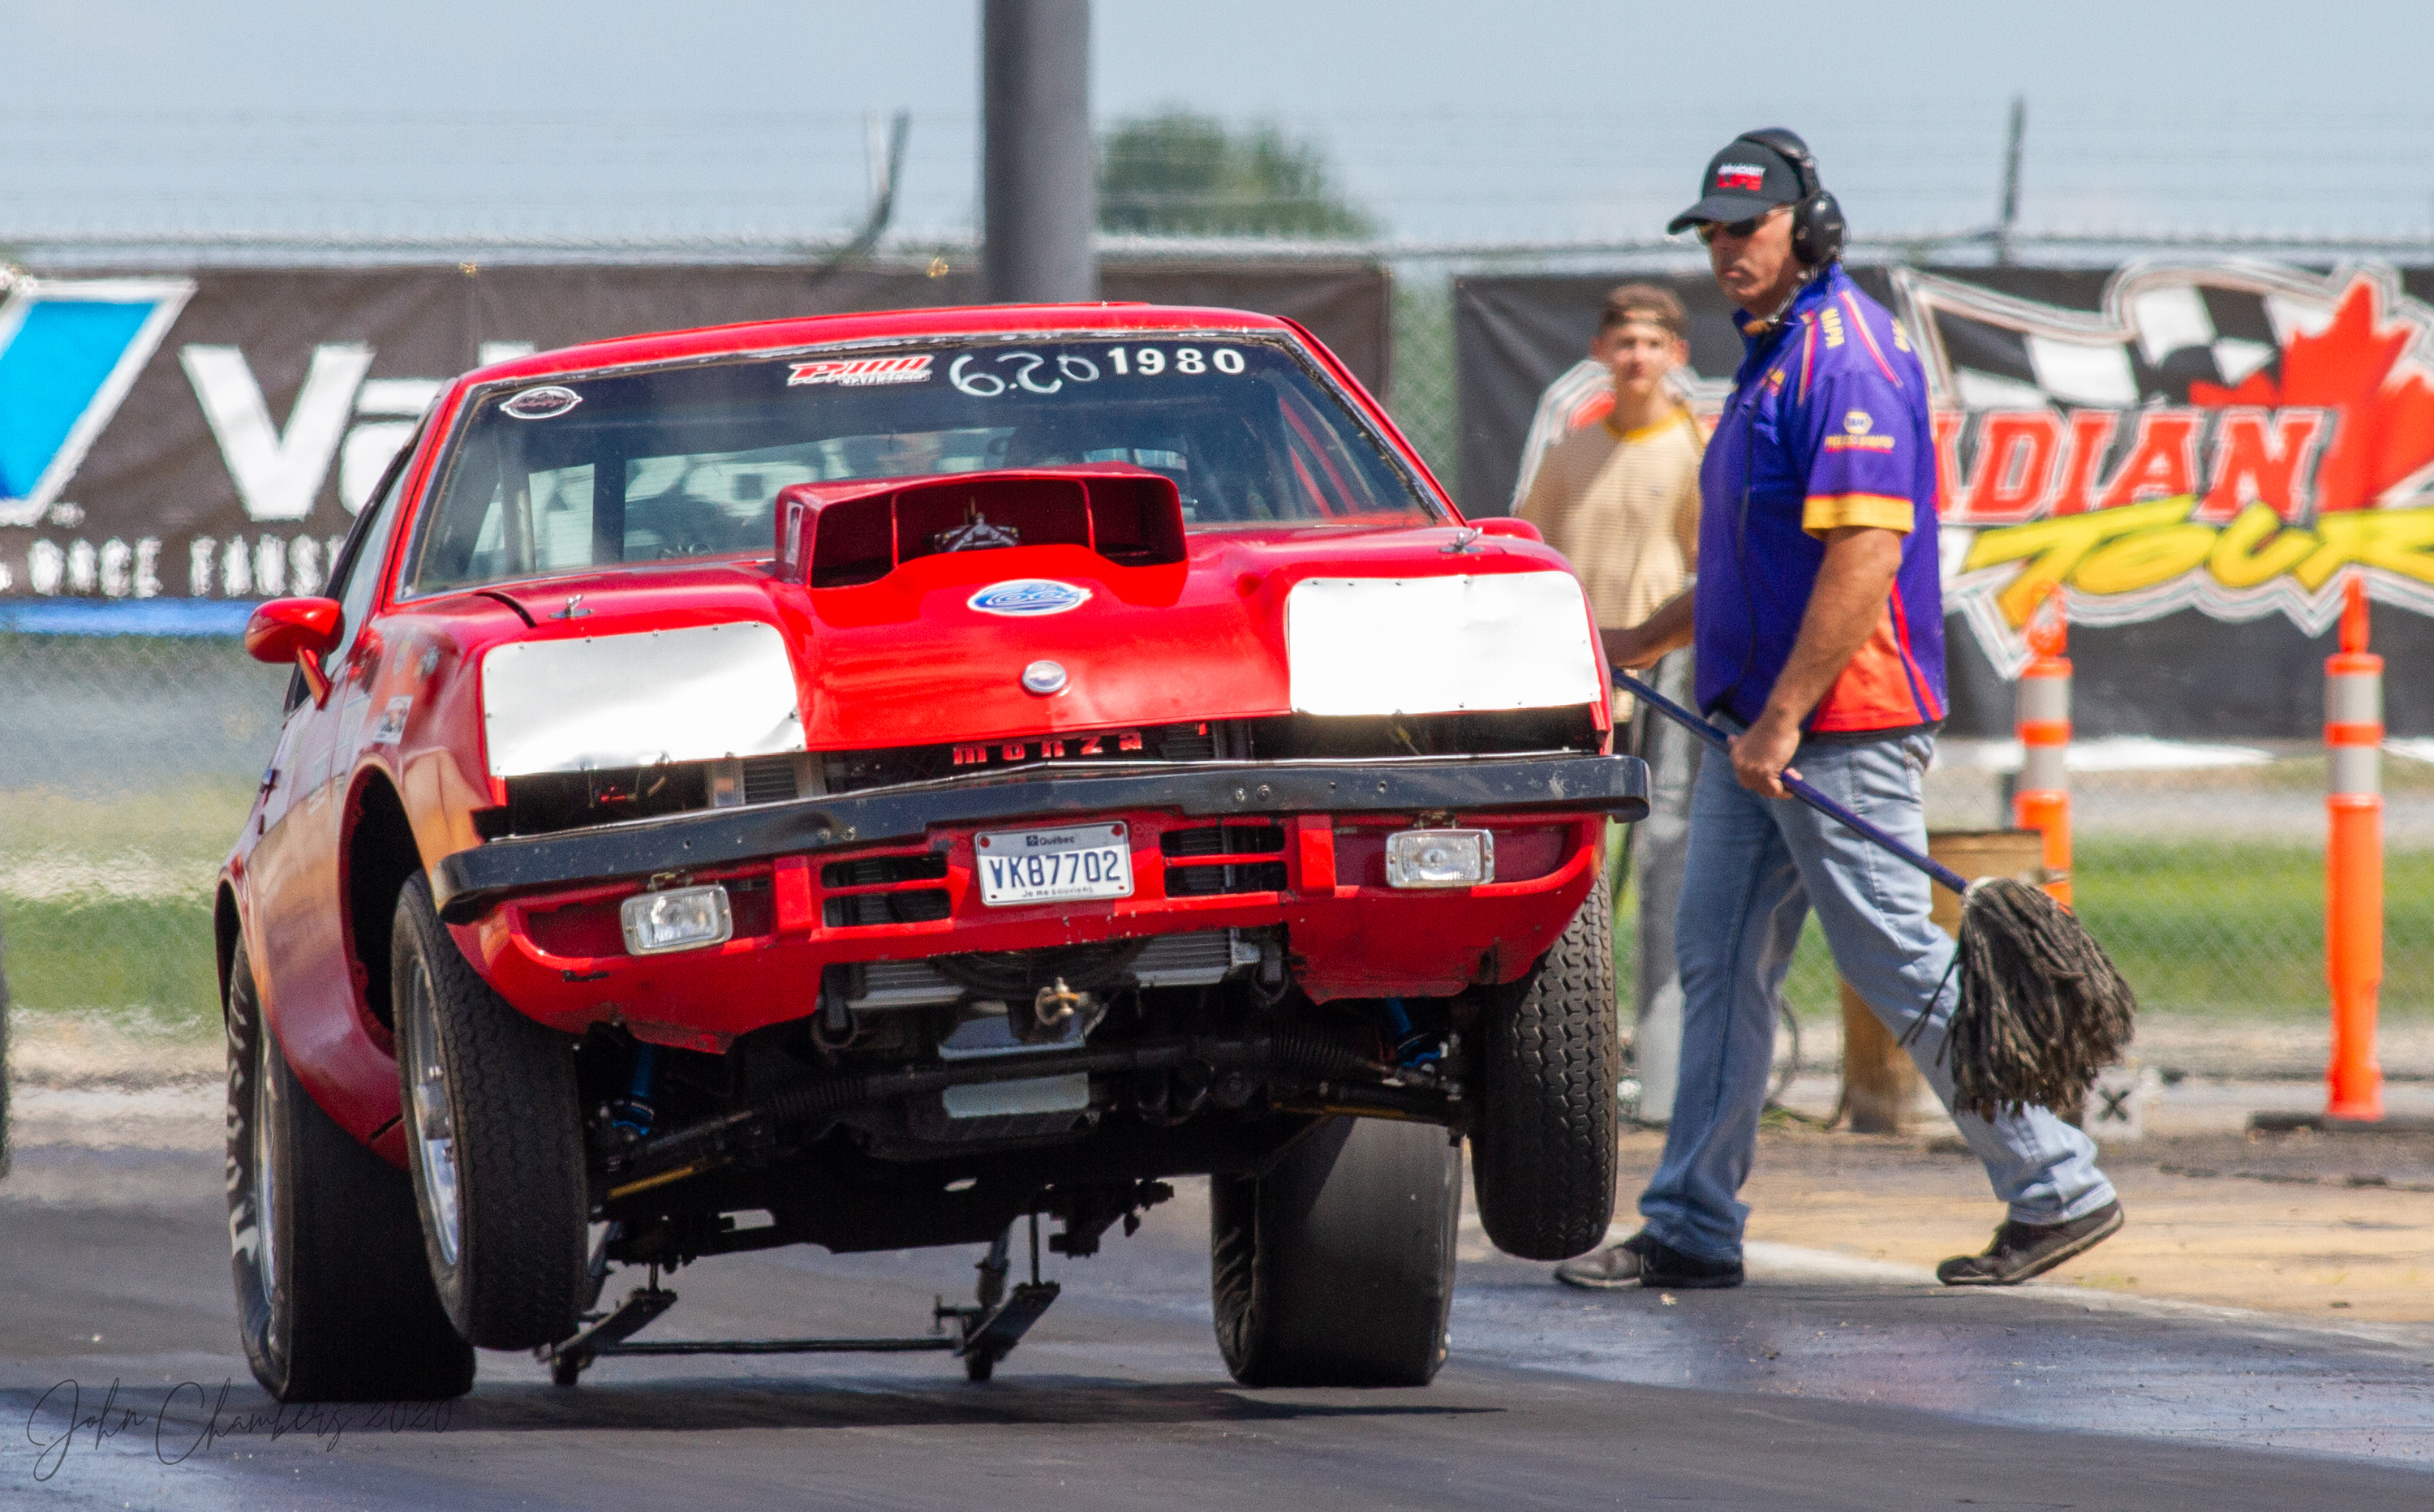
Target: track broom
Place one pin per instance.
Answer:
(2042, 1009)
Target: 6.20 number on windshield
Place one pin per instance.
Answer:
(1038, 374)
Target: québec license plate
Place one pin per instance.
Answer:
(1054, 865)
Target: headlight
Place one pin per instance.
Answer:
(1440, 858)
(1440, 645)
(695, 693)
(682, 918)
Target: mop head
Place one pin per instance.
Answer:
(2042, 1009)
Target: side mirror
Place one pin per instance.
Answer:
(1507, 525)
(296, 630)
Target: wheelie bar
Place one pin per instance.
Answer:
(984, 1335)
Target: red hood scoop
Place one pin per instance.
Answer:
(835, 534)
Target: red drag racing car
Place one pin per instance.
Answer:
(880, 780)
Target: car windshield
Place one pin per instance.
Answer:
(650, 465)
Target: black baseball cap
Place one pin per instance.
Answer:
(1747, 179)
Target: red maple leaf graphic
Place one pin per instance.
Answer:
(2382, 430)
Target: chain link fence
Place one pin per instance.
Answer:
(128, 764)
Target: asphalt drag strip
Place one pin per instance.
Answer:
(1824, 1384)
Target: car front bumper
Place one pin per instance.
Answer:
(1349, 933)
(471, 883)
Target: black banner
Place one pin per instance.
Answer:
(2197, 456)
(209, 436)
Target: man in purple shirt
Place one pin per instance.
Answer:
(1818, 618)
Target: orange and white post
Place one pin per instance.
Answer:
(2042, 798)
(2354, 862)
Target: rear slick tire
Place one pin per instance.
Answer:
(1551, 1054)
(333, 1297)
(1336, 1267)
(494, 1139)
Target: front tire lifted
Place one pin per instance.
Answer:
(1335, 1268)
(494, 1138)
(1550, 1052)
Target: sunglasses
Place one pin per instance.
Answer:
(1739, 230)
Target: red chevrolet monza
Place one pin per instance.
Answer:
(883, 780)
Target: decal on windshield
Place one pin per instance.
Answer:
(541, 403)
(861, 372)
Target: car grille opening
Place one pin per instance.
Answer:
(1224, 840)
(769, 780)
(1187, 876)
(1207, 881)
(884, 870)
(921, 906)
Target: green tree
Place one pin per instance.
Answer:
(1179, 173)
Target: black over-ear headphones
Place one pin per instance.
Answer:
(1817, 224)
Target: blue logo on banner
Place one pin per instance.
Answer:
(69, 351)
(1023, 597)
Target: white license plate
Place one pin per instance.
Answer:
(1054, 865)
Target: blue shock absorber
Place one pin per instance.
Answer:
(632, 1112)
(1413, 1047)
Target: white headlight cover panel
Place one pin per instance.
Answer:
(696, 695)
(1440, 645)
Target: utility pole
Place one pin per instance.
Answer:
(2009, 219)
(1039, 203)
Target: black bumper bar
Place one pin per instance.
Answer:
(470, 882)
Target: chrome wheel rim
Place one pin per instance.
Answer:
(265, 1184)
(435, 1128)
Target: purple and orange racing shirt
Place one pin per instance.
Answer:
(1826, 425)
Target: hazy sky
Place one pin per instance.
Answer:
(1518, 120)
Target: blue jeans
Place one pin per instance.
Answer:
(1758, 865)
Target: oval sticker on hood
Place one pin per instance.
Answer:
(541, 403)
(1024, 597)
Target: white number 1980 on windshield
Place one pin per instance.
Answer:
(1149, 361)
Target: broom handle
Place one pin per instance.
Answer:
(1797, 787)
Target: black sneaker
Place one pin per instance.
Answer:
(2020, 1250)
(1641, 1260)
